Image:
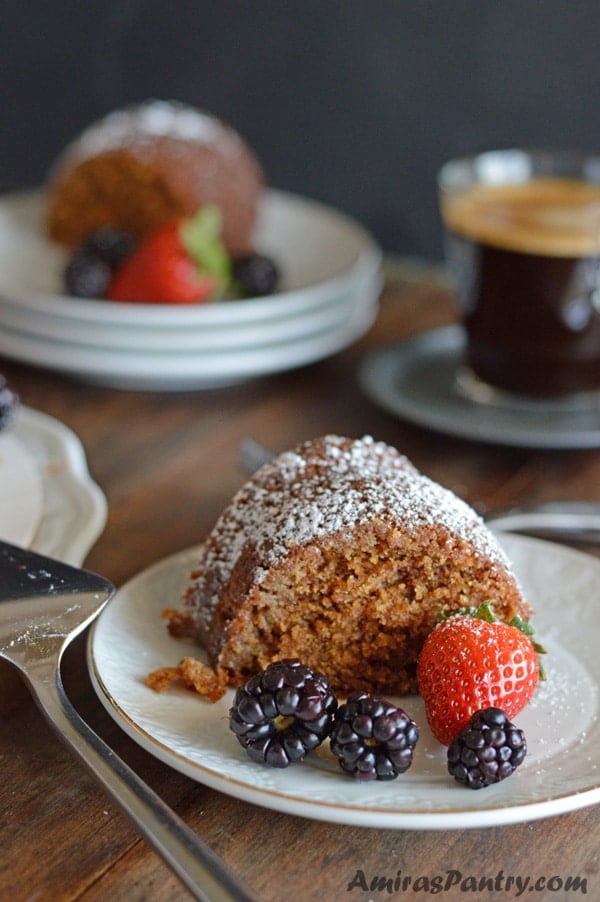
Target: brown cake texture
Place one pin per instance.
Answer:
(339, 553)
(144, 165)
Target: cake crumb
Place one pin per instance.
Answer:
(193, 673)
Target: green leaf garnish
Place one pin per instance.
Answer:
(201, 238)
(485, 612)
(527, 628)
(522, 625)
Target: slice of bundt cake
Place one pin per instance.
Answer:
(341, 554)
(146, 164)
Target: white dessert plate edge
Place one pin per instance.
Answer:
(74, 507)
(179, 371)
(210, 341)
(21, 490)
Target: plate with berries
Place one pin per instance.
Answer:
(173, 310)
(530, 747)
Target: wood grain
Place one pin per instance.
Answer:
(168, 463)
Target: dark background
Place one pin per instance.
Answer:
(353, 102)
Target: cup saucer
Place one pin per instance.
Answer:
(422, 380)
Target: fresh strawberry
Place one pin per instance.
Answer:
(183, 262)
(160, 271)
(472, 661)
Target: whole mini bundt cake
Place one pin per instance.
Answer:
(143, 165)
(339, 553)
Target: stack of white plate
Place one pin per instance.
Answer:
(328, 297)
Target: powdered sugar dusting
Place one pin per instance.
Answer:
(148, 121)
(324, 487)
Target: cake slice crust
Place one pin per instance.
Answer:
(341, 554)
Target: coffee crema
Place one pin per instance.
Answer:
(554, 217)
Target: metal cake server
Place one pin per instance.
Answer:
(44, 604)
(574, 521)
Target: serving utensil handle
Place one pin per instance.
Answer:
(577, 521)
(205, 875)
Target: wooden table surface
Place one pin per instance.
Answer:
(168, 463)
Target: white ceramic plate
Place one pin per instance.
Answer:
(176, 370)
(73, 509)
(209, 340)
(320, 253)
(200, 344)
(561, 772)
(21, 491)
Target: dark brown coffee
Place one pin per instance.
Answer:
(528, 264)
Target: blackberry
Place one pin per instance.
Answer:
(256, 274)
(9, 402)
(282, 713)
(487, 751)
(90, 269)
(86, 276)
(373, 739)
(110, 245)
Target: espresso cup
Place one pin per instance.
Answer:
(522, 233)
